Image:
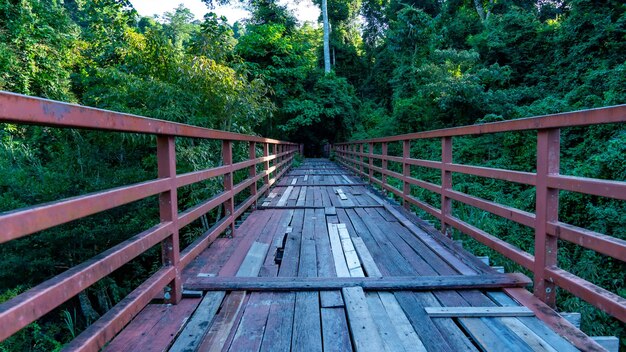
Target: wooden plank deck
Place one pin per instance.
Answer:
(328, 224)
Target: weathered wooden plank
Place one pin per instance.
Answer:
(449, 312)
(325, 258)
(450, 258)
(301, 197)
(249, 333)
(280, 321)
(610, 343)
(338, 256)
(291, 255)
(195, 329)
(330, 211)
(341, 195)
(383, 251)
(405, 331)
(352, 259)
(277, 337)
(130, 338)
(530, 338)
(234, 261)
(366, 258)
(254, 260)
(311, 206)
(534, 324)
(387, 331)
(348, 181)
(428, 332)
(294, 181)
(362, 327)
(219, 332)
(307, 327)
(283, 200)
(335, 330)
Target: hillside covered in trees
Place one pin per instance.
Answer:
(397, 67)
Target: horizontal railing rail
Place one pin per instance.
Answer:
(33, 304)
(547, 181)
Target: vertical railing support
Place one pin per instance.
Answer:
(266, 166)
(546, 210)
(229, 205)
(406, 172)
(352, 156)
(383, 176)
(370, 160)
(252, 172)
(168, 211)
(275, 154)
(361, 159)
(446, 183)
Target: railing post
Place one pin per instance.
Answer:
(351, 156)
(406, 172)
(229, 205)
(546, 210)
(370, 160)
(446, 183)
(266, 166)
(361, 159)
(275, 153)
(168, 211)
(252, 172)
(383, 176)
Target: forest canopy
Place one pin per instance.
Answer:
(397, 67)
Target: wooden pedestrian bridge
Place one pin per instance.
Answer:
(317, 259)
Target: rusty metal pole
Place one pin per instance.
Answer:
(406, 171)
(168, 211)
(361, 159)
(252, 172)
(370, 160)
(275, 154)
(347, 155)
(229, 205)
(383, 176)
(446, 183)
(546, 210)
(266, 166)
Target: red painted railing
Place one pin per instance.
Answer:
(547, 181)
(24, 309)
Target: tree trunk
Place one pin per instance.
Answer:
(326, 36)
(480, 9)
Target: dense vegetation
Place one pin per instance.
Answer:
(398, 66)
